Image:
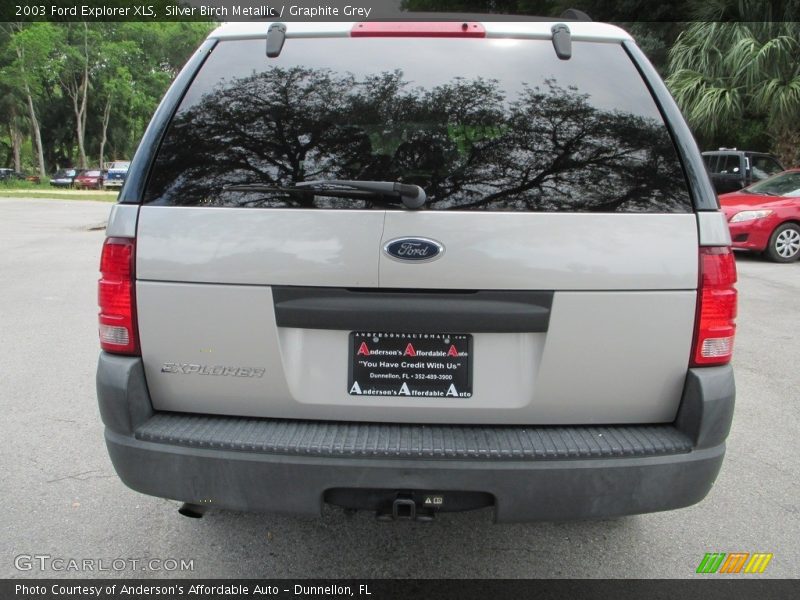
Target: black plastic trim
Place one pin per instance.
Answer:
(395, 440)
(276, 36)
(135, 184)
(124, 399)
(706, 410)
(562, 41)
(497, 311)
(524, 490)
(701, 189)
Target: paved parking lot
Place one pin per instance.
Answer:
(62, 498)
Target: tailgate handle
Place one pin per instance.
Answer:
(490, 311)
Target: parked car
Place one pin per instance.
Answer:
(117, 171)
(418, 267)
(765, 217)
(733, 169)
(64, 177)
(11, 175)
(92, 179)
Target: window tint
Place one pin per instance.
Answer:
(729, 164)
(479, 124)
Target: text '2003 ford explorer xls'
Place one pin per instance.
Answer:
(414, 268)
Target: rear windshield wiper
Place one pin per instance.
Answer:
(412, 196)
(263, 187)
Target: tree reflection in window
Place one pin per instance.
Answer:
(467, 144)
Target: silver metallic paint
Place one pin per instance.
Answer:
(713, 229)
(122, 221)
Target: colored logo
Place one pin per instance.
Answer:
(413, 249)
(734, 562)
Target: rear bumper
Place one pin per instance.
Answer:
(752, 235)
(673, 469)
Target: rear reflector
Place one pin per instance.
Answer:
(117, 318)
(419, 29)
(716, 308)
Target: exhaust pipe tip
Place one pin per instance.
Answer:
(193, 511)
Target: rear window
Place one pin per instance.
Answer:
(480, 124)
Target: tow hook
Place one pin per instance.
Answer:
(404, 508)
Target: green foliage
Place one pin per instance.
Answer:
(725, 74)
(29, 55)
(129, 67)
(21, 184)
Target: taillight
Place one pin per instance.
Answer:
(418, 29)
(115, 295)
(716, 308)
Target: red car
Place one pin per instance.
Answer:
(90, 180)
(765, 217)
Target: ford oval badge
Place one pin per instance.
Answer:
(413, 249)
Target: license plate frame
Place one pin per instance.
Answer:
(410, 365)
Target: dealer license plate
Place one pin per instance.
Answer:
(435, 365)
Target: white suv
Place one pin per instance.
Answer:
(414, 268)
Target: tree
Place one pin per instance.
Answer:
(12, 106)
(31, 47)
(116, 88)
(69, 91)
(135, 65)
(15, 133)
(724, 74)
(78, 57)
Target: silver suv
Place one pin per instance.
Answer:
(418, 267)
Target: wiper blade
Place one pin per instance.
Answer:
(336, 193)
(412, 196)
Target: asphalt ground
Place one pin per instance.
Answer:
(62, 499)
